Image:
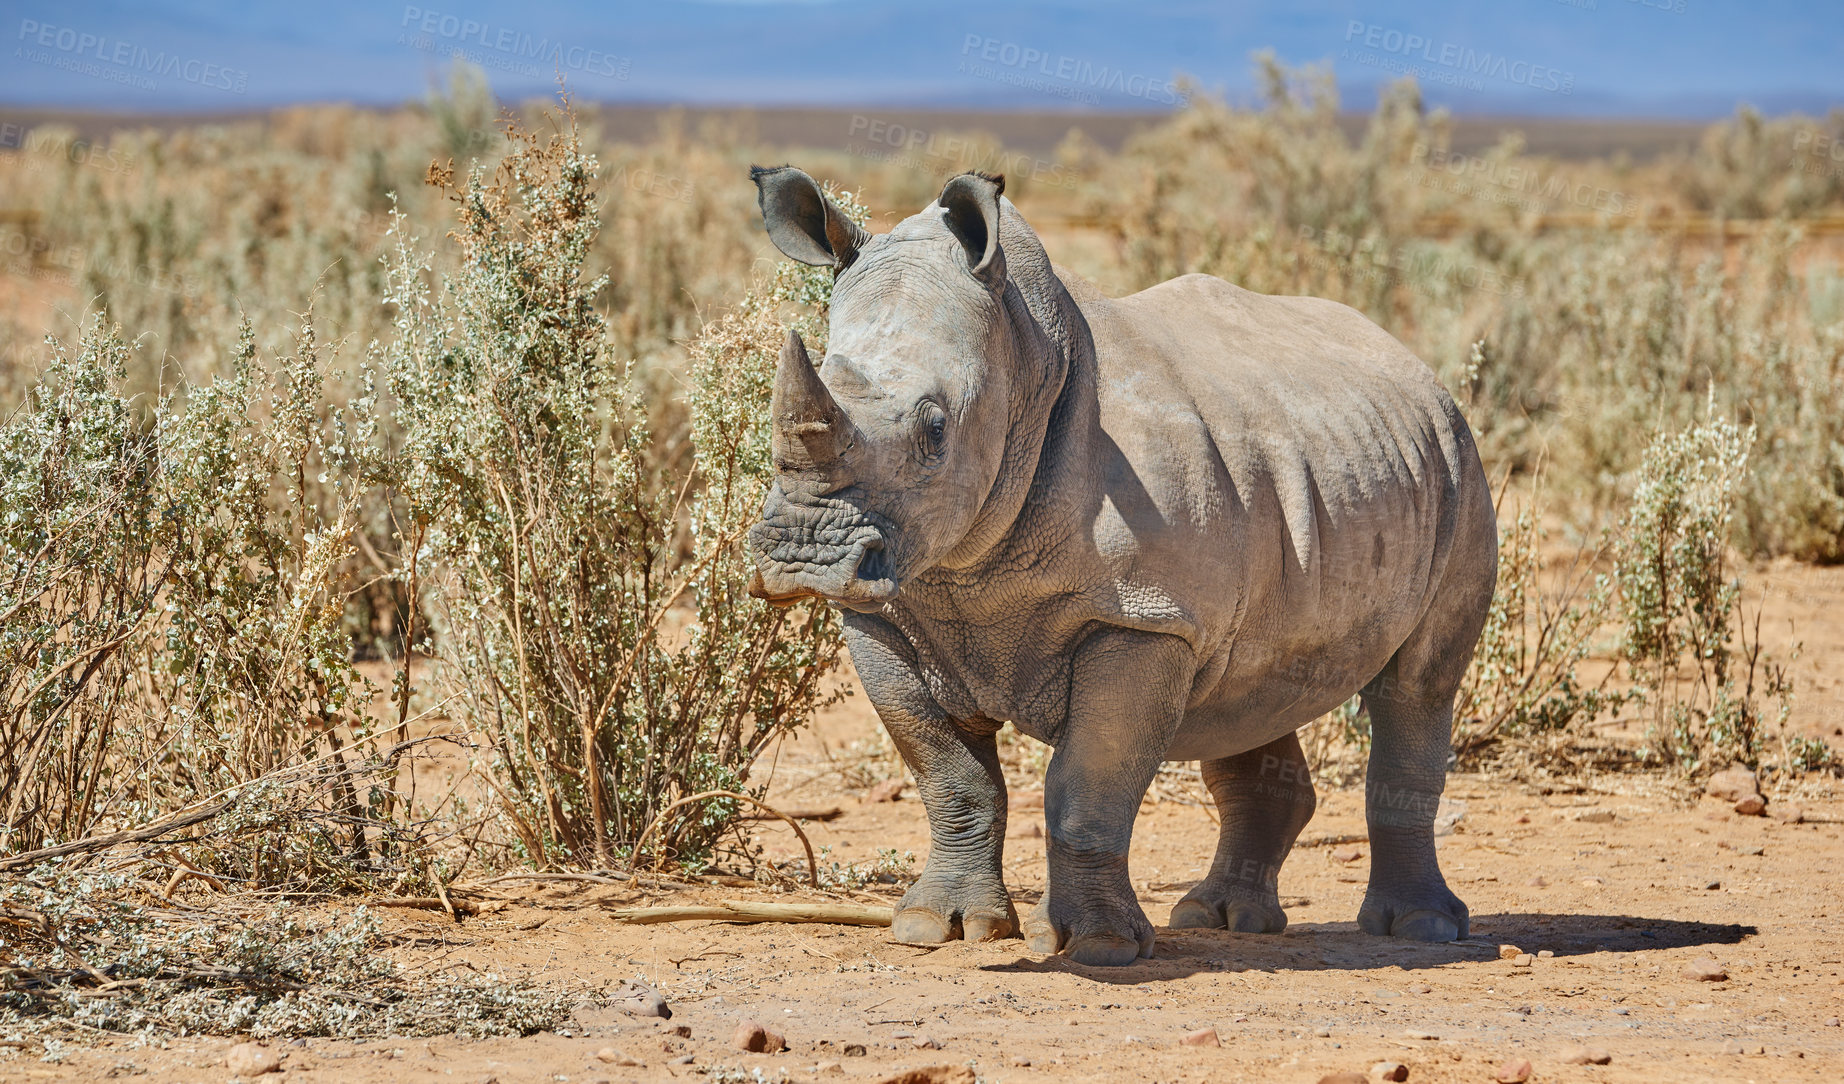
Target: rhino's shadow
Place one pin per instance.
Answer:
(1341, 946)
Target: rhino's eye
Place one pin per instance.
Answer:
(934, 429)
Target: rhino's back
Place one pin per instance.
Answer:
(1286, 476)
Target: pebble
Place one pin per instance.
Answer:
(1731, 784)
(1419, 988)
(686, 1060)
(1704, 969)
(1546, 954)
(1347, 854)
(1343, 1077)
(1751, 851)
(1537, 882)
(1389, 1070)
(890, 790)
(1509, 952)
(754, 1037)
(1788, 814)
(829, 1068)
(854, 1050)
(1323, 1033)
(252, 1059)
(1522, 959)
(639, 999)
(1751, 805)
(1832, 1023)
(1596, 816)
(612, 1056)
(1592, 881)
(1202, 1037)
(1514, 1071)
(924, 1042)
(1711, 886)
(683, 1031)
(1422, 1036)
(934, 1074)
(1021, 1061)
(1586, 1055)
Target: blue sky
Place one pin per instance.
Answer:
(1646, 58)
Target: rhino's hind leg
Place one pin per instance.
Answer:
(1411, 723)
(1407, 896)
(1264, 798)
(961, 892)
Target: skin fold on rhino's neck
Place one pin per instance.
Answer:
(1054, 418)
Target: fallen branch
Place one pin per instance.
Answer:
(430, 903)
(837, 914)
(612, 877)
(114, 839)
(813, 865)
(1334, 841)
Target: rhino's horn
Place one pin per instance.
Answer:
(809, 428)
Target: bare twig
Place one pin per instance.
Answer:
(837, 914)
(114, 839)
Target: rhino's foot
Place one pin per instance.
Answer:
(934, 911)
(1413, 913)
(1208, 907)
(1109, 936)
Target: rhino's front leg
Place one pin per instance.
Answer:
(1127, 693)
(961, 892)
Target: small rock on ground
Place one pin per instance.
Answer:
(1389, 1070)
(252, 1059)
(753, 1037)
(1202, 1037)
(1509, 952)
(933, 1074)
(611, 1056)
(890, 790)
(1344, 1077)
(1788, 814)
(1731, 783)
(1705, 969)
(639, 999)
(1751, 805)
(1514, 1071)
(1586, 1055)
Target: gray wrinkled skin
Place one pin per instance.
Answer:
(1172, 526)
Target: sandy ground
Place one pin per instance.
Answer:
(1624, 882)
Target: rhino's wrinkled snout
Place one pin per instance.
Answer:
(823, 547)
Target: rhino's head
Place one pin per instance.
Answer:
(887, 452)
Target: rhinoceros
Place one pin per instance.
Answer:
(1172, 526)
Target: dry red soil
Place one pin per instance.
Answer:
(1624, 881)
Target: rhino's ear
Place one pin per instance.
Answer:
(971, 201)
(802, 222)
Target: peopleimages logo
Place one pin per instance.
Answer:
(1065, 75)
(1446, 57)
(458, 34)
(100, 55)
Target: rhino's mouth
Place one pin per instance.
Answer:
(825, 547)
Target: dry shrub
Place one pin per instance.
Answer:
(560, 550)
